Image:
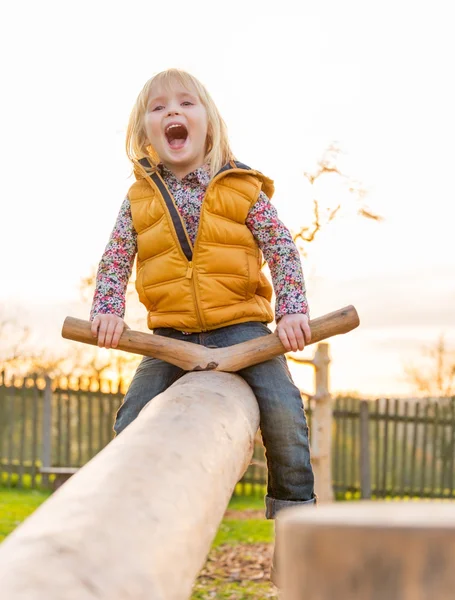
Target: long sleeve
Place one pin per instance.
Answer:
(116, 266)
(280, 252)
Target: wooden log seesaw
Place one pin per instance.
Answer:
(137, 521)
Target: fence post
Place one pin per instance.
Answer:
(47, 431)
(365, 474)
(321, 430)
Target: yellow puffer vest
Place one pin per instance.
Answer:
(219, 282)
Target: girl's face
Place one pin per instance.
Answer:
(176, 125)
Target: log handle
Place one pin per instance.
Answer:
(261, 349)
(192, 357)
(182, 354)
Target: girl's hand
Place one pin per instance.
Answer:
(294, 332)
(108, 328)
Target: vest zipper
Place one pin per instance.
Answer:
(189, 275)
(187, 253)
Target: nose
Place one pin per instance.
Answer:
(172, 111)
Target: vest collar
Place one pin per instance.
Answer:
(200, 176)
(143, 168)
(143, 165)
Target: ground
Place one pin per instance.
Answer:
(238, 566)
(236, 572)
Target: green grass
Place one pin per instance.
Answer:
(12, 480)
(247, 502)
(220, 589)
(246, 531)
(15, 506)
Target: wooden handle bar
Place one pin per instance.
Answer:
(193, 357)
(244, 355)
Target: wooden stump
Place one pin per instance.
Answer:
(368, 551)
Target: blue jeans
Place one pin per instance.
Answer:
(282, 419)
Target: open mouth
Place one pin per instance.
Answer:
(176, 135)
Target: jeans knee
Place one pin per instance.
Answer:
(128, 411)
(286, 441)
(122, 419)
(286, 423)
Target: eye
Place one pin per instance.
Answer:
(157, 108)
(187, 103)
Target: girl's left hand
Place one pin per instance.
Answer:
(294, 332)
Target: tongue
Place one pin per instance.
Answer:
(177, 143)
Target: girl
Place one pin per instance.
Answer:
(199, 223)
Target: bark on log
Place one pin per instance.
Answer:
(192, 357)
(137, 522)
(368, 551)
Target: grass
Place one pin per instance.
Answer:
(219, 589)
(246, 531)
(246, 503)
(15, 506)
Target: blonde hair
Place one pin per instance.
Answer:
(218, 151)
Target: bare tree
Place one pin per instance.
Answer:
(329, 164)
(113, 369)
(435, 375)
(13, 344)
(41, 364)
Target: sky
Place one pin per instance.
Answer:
(289, 78)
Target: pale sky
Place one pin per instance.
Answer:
(289, 78)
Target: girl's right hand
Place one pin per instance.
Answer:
(108, 328)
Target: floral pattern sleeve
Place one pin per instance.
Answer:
(280, 252)
(116, 266)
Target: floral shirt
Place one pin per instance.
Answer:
(272, 237)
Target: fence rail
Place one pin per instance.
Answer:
(44, 426)
(382, 448)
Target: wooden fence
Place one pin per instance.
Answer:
(47, 425)
(394, 448)
(382, 448)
